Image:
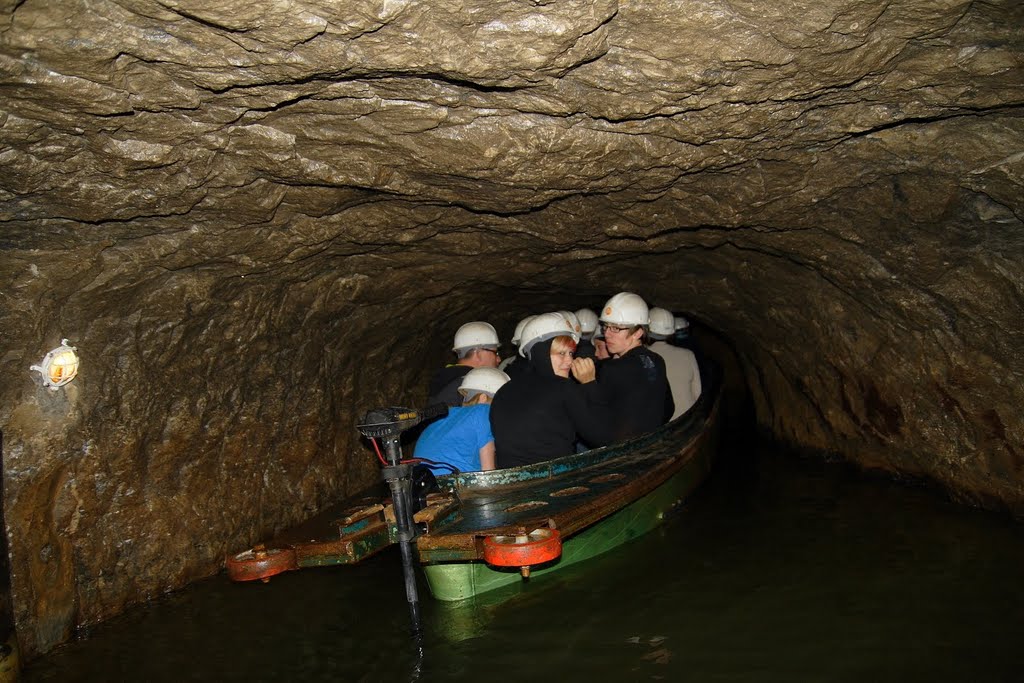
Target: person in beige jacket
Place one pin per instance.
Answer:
(680, 364)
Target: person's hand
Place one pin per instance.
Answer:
(584, 370)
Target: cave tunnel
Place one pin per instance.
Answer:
(255, 220)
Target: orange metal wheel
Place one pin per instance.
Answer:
(260, 563)
(536, 547)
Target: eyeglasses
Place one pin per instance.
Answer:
(614, 328)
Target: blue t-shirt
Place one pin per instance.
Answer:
(457, 439)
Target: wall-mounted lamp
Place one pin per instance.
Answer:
(59, 366)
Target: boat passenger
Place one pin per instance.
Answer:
(600, 346)
(588, 327)
(476, 345)
(680, 364)
(508, 366)
(682, 329)
(632, 383)
(538, 415)
(463, 440)
(574, 322)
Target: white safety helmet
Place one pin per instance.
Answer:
(475, 335)
(574, 321)
(482, 381)
(545, 326)
(663, 323)
(518, 334)
(588, 321)
(681, 323)
(625, 309)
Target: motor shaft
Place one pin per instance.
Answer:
(399, 479)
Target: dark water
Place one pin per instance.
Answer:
(779, 569)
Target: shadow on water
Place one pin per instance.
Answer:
(778, 569)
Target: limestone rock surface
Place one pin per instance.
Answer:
(257, 219)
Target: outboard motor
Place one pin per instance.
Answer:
(387, 424)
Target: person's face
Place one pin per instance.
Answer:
(487, 358)
(619, 340)
(601, 349)
(561, 362)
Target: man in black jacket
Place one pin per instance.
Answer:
(632, 384)
(476, 345)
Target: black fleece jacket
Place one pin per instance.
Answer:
(538, 415)
(444, 385)
(635, 389)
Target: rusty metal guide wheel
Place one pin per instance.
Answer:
(260, 563)
(523, 550)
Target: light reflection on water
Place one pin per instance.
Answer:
(778, 569)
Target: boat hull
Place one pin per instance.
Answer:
(453, 581)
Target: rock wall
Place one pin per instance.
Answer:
(255, 220)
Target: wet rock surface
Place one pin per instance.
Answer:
(256, 221)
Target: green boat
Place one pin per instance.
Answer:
(480, 531)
